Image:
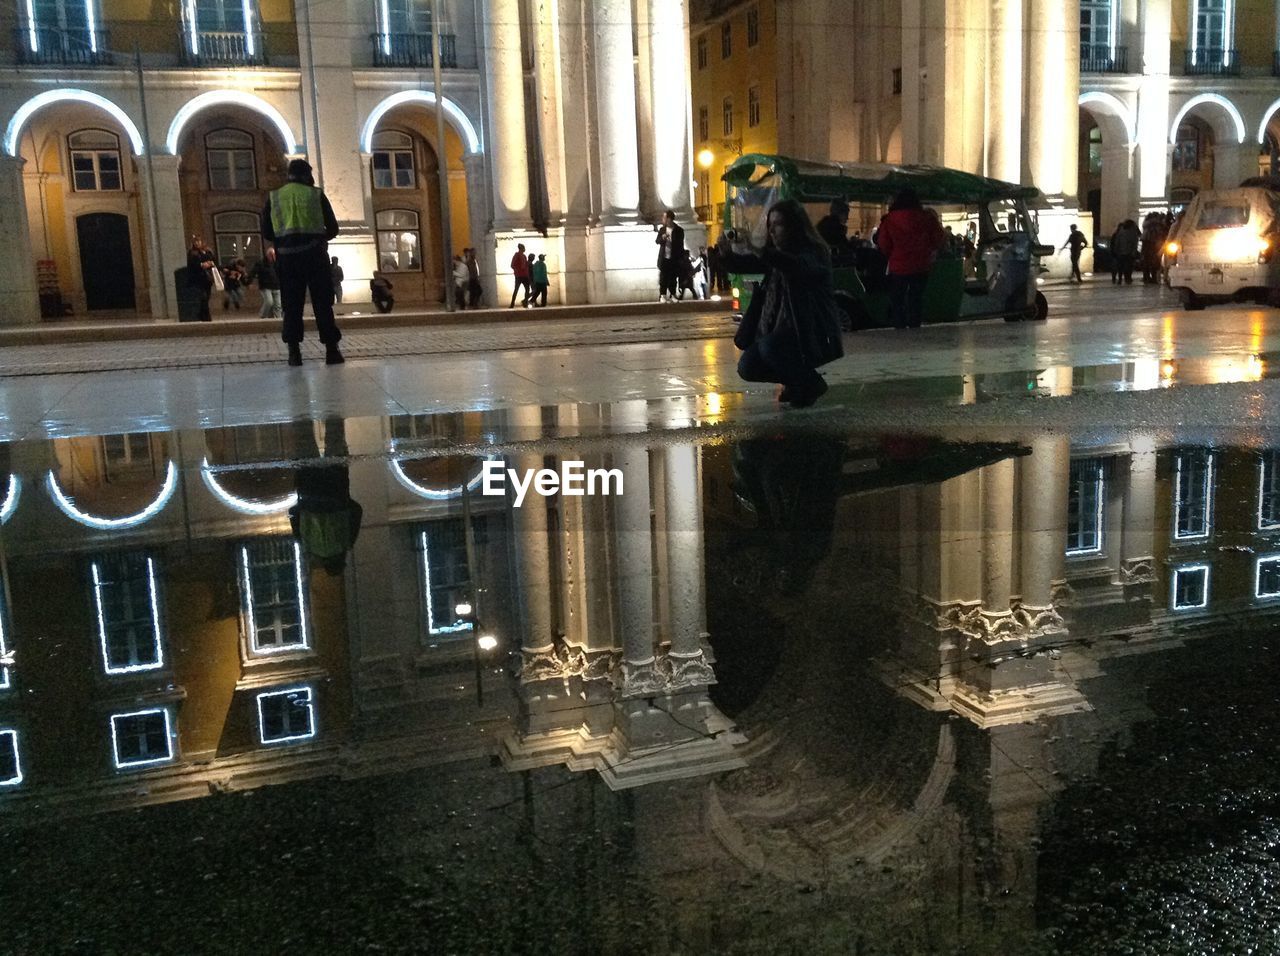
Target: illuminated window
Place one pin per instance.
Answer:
(1192, 494)
(67, 25)
(726, 40)
(1186, 149)
(399, 241)
(1085, 507)
(1096, 20)
(142, 738)
(231, 159)
(393, 161)
(95, 161)
(127, 456)
(273, 595)
(704, 123)
(286, 716)
(727, 115)
(1269, 491)
(703, 55)
(405, 16)
(1213, 29)
(125, 594)
(237, 235)
(1095, 150)
(753, 106)
(446, 577)
(10, 761)
(753, 26)
(1190, 587)
(1267, 580)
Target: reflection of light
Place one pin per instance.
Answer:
(487, 642)
(300, 644)
(194, 30)
(1204, 594)
(247, 8)
(10, 504)
(1168, 370)
(32, 36)
(229, 98)
(1146, 374)
(243, 505)
(435, 494)
(462, 609)
(715, 403)
(432, 627)
(16, 779)
(469, 135)
(144, 761)
(69, 509)
(28, 108)
(303, 696)
(102, 623)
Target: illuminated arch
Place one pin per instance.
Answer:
(452, 111)
(49, 97)
(10, 503)
(1217, 99)
(229, 98)
(243, 505)
(68, 508)
(1267, 114)
(1114, 106)
(437, 494)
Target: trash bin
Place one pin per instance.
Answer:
(187, 296)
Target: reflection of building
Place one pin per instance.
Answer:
(116, 168)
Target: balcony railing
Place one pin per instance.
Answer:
(1103, 58)
(412, 49)
(62, 47)
(222, 48)
(1211, 63)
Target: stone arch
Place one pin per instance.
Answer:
(1108, 192)
(1225, 121)
(454, 115)
(28, 109)
(229, 98)
(1112, 115)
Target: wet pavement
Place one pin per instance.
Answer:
(974, 657)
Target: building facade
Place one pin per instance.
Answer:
(124, 136)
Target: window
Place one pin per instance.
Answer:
(237, 235)
(753, 106)
(446, 578)
(1222, 215)
(1267, 582)
(1190, 587)
(703, 55)
(704, 123)
(10, 761)
(125, 596)
(1085, 507)
(1192, 494)
(1213, 30)
(753, 26)
(1095, 150)
(286, 716)
(393, 161)
(231, 161)
(399, 242)
(142, 738)
(1096, 36)
(727, 115)
(95, 161)
(726, 40)
(406, 16)
(220, 16)
(69, 25)
(1269, 491)
(6, 677)
(273, 595)
(1186, 149)
(127, 456)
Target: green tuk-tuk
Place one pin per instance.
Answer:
(988, 269)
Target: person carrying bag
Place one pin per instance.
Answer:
(792, 326)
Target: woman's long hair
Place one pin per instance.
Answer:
(800, 229)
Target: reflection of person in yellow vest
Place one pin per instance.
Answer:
(300, 221)
(326, 520)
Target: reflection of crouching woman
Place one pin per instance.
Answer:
(381, 288)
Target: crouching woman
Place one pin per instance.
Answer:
(792, 326)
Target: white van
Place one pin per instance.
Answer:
(1227, 247)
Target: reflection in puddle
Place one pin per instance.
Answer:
(852, 680)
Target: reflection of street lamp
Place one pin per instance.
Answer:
(482, 642)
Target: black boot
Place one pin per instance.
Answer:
(332, 356)
(295, 353)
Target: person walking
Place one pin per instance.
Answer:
(335, 271)
(460, 279)
(475, 291)
(792, 326)
(300, 221)
(541, 282)
(520, 270)
(1075, 242)
(200, 269)
(671, 256)
(910, 239)
(268, 280)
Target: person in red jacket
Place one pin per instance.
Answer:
(520, 270)
(910, 237)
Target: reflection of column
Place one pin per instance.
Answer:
(1004, 128)
(533, 549)
(1052, 94)
(997, 547)
(670, 84)
(172, 252)
(686, 589)
(18, 289)
(508, 141)
(634, 539)
(1043, 488)
(616, 106)
(1137, 535)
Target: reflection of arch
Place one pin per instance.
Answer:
(1104, 104)
(10, 504)
(41, 100)
(452, 111)
(244, 505)
(68, 508)
(229, 98)
(437, 494)
(1217, 99)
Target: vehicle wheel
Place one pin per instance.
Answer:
(856, 317)
(1190, 301)
(1041, 311)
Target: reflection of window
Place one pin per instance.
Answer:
(1084, 507)
(1213, 29)
(1095, 28)
(127, 456)
(1267, 583)
(1095, 150)
(753, 106)
(10, 762)
(446, 578)
(392, 161)
(1190, 587)
(727, 115)
(1269, 491)
(142, 738)
(1222, 215)
(1192, 494)
(435, 429)
(95, 160)
(6, 677)
(231, 159)
(272, 593)
(285, 716)
(704, 123)
(726, 40)
(237, 235)
(702, 53)
(753, 26)
(399, 242)
(1186, 149)
(127, 602)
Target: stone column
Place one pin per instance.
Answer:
(1004, 91)
(1043, 490)
(686, 589)
(616, 111)
(670, 84)
(533, 551)
(1137, 533)
(1052, 94)
(18, 289)
(633, 539)
(508, 144)
(171, 254)
(997, 548)
(1153, 104)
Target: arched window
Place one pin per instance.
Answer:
(237, 235)
(399, 241)
(393, 160)
(1186, 151)
(230, 155)
(95, 160)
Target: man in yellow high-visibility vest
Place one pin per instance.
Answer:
(300, 221)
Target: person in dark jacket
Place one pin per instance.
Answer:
(300, 221)
(834, 229)
(910, 238)
(1124, 251)
(671, 256)
(380, 289)
(200, 266)
(264, 273)
(792, 325)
